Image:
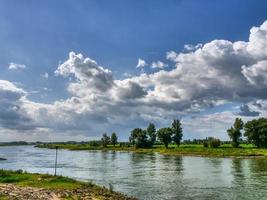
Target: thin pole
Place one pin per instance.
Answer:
(56, 162)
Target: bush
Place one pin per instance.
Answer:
(214, 143)
(205, 144)
(94, 143)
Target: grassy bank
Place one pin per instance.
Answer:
(197, 150)
(65, 188)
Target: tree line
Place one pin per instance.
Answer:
(255, 132)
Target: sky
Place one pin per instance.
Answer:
(72, 70)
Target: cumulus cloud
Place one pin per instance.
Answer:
(87, 71)
(15, 66)
(141, 63)
(158, 65)
(256, 74)
(12, 115)
(215, 73)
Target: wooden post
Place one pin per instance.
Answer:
(56, 162)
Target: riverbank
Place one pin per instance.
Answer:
(194, 150)
(22, 185)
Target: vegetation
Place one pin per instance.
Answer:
(151, 131)
(57, 183)
(214, 143)
(235, 132)
(177, 132)
(165, 136)
(256, 132)
(152, 140)
(224, 150)
(105, 140)
(114, 139)
(16, 143)
(139, 138)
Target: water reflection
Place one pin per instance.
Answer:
(150, 176)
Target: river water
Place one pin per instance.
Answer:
(149, 176)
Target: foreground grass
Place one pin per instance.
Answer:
(55, 183)
(245, 150)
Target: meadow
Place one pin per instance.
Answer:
(225, 150)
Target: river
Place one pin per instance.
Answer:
(149, 176)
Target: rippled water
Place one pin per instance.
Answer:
(150, 176)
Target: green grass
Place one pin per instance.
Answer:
(38, 180)
(225, 150)
(59, 183)
(3, 197)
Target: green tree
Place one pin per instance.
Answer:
(151, 131)
(177, 131)
(139, 138)
(256, 132)
(235, 132)
(105, 140)
(214, 143)
(114, 139)
(165, 136)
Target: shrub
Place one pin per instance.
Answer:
(205, 144)
(94, 143)
(214, 143)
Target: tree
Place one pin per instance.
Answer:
(139, 138)
(177, 131)
(105, 140)
(256, 132)
(235, 132)
(114, 139)
(165, 136)
(214, 143)
(151, 131)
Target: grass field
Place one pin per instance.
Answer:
(225, 150)
(38, 180)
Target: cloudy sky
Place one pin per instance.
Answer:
(71, 70)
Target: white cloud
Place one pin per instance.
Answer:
(256, 74)
(220, 71)
(190, 47)
(158, 65)
(15, 66)
(45, 75)
(141, 63)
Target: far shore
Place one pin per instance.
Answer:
(245, 151)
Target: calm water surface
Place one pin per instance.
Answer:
(150, 176)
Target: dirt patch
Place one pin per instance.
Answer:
(14, 192)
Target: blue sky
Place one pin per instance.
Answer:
(116, 34)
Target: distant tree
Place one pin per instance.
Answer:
(95, 143)
(205, 144)
(165, 136)
(177, 131)
(151, 131)
(114, 139)
(105, 140)
(214, 143)
(139, 138)
(131, 140)
(235, 132)
(256, 132)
